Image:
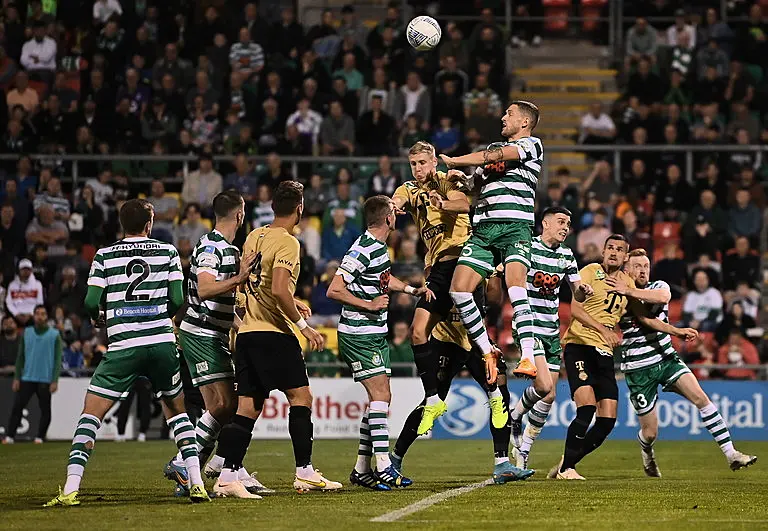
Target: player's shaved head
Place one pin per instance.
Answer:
(135, 214)
(376, 210)
(288, 196)
(617, 238)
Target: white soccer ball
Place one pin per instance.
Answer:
(423, 33)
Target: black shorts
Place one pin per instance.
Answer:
(585, 366)
(439, 281)
(452, 359)
(268, 360)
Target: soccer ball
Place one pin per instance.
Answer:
(423, 33)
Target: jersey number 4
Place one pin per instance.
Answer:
(142, 268)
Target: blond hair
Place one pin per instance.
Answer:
(422, 146)
(634, 253)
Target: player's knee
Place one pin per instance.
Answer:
(650, 433)
(300, 397)
(700, 399)
(543, 386)
(584, 415)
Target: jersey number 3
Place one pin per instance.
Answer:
(142, 268)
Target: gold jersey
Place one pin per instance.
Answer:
(274, 247)
(452, 331)
(444, 233)
(606, 308)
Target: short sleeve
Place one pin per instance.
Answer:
(208, 260)
(527, 149)
(402, 193)
(175, 272)
(287, 255)
(352, 265)
(572, 270)
(97, 276)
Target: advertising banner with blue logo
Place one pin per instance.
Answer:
(742, 405)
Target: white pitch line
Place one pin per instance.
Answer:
(429, 501)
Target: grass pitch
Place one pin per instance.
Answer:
(124, 489)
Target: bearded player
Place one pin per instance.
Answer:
(648, 360)
(502, 229)
(439, 207)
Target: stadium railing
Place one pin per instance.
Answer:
(618, 152)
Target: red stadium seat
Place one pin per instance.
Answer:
(556, 13)
(505, 338)
(564, 312)
(39, 87)
(507, 315)
(675, 311)
(88, 252)
(666, 231)
(590, 10)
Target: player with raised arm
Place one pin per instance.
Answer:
(552, 263)
(216, 271)
(648, 360)
(140, 281)
(362, 284)
(439, 207)
(455, 352)
(502, 228)
(267, 353)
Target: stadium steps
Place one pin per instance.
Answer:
(556, 85)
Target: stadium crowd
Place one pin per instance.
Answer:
(174, 78)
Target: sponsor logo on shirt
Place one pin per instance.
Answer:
(137, 311)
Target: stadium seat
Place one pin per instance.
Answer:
(39, 87)
(675, 311)
(88, 252)
(556, 13)
(366, 171)
(507, 315)
(590, 10)
(666, 231)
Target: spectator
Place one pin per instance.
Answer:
(742, 119)
(387, 90)
(706, 359)
(338, 236)
(12, 242)
(376, 130)
(350, 73)
(351, 25)
(400, 349)
(710, 179)
(746, 180)
(159, 123)
(711, 56)
(166, 211)
(738, 351)
(595, 234)
(103, 10)
(740, 84)
(191, 229)
(179, 71)
(344, 201)
(91, 216)
(258, 28)
(37, 373)
(674, 192)
(316, 196)
(414, 99)
(247, 57)
(741, 264)
(734, 319)
(102, 190)
(671, 269)
(451, 72)
(482, 125)
(412, 132)
(242, 142)
(408, 262)
(204, 90)
(481, 90)
(596, 126)
(239, 100)
(275, 172)
(53, 198)
(22, 94)
(384, 181)
(641, 43)
(46, 230)
(745, 219)
(9, 345)
(202, 185)
(126, 132)
(306, 121)
(337, 132)
(242, 179)
(348, 98)
(645, 85)
(262, 208)
(446, 137)
(601, 183)
(448, 103)
(715, 29)
(706, 226)
(325, 311)
(456, 46)
(703, 306)
(69, 292)
(747, 296)
(680, 28)
(38, 55)
(752, 43)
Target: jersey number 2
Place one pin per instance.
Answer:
(142, 268)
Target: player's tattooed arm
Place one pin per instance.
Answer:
(489, 155)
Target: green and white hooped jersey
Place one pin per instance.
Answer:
(641, 347)
(510, 196)
(549, 268)
(135, 274)
(365, 270)
(213, 254)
